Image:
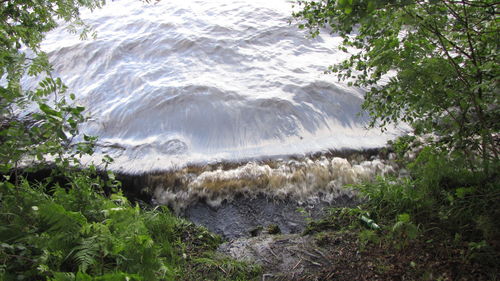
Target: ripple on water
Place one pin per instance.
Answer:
(196, 81)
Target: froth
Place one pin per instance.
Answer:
(307, 181)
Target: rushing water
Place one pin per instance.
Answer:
(306, 181)
(195, 81)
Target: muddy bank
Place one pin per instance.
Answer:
(284, 256)
(248, 214)
(243, 199)
(245, 217)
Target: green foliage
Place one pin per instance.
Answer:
(432, 64)
(404, 230)
(216, 267)
(37, 124)
(80, 234)
(340, 219)
(442, 214)
(444, 199)
(366, 237)
(80, 276)
(390, 198)
(402, 146)
(53, 235)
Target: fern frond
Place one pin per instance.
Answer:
(63, 276)
(90, 249)
(86, 253)
(59, 219)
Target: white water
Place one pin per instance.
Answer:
(195, 81)
(306, 181)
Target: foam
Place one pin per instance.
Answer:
(307, 181)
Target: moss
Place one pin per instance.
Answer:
(256, 231)
(273, 229)
(214, 266)
(323, 239)
(196, 240)
(337, 219)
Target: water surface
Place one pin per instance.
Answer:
(197, 81)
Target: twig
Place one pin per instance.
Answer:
(321, 253)
(307, 253)
(272, 252)
(293, 268)
(312, 262)
(266, 275)
(222, 269)
(264, 259)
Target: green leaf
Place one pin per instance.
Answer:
(404, 218)
(49, 111)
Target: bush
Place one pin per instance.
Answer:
(444, 199)
(78, 233)
(81, 231)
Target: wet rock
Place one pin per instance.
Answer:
(243, 216)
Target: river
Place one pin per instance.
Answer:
(177, 83)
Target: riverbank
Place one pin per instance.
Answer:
(234, 198)
(438, 223)
(435, 223)
(338, 248)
